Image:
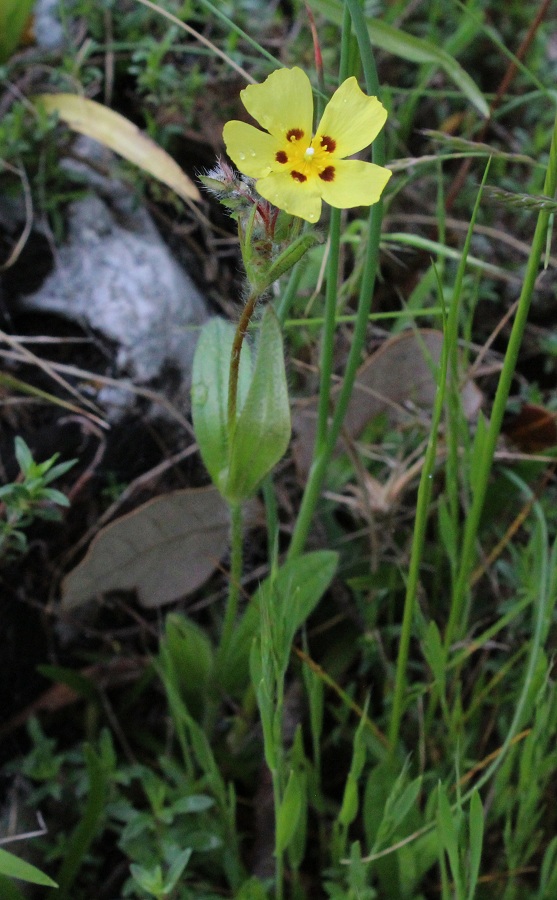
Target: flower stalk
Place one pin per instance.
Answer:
(241, 331)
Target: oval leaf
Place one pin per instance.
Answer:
(209, 393)
(164, 550)
(119, 134)
(262, 429)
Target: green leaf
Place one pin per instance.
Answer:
(400, 801)
(262, 429)
(58, 470)
(252, 890)
(55, 496)
(23, 456)
(476, 831)
(209, 393)
(305, 577)
(289, 812)
(548, 875)
(350, 802)
(78, 844)
(176, 869)
(264, 693)
(417, 50)
(17, 868)
(151, 880)
(433, 652)
(205, 757)
(13, 18)
(448, 834)
(191, 653)
(351, 799)
(289, 257)
(195, 803)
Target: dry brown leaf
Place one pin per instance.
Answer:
(119, 134)
(163, 550)
(396, 374)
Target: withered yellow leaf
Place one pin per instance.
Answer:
(119, 134)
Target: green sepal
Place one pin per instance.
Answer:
(209, 393)
(262, 431)
(262, 273)
(287, 227)
(247, 247)
(291, 255)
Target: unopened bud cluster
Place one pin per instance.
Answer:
(238, 194)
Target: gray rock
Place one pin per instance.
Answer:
(47, 27)
(117, 276)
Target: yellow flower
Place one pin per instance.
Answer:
(295, 171)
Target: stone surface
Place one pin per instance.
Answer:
(115, 274)
(47, 27)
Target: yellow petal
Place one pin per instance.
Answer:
(355, 183)
(351, 118)
(253, 151)
(301, 200)
(283, 102)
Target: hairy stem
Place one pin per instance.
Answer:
(241, 332)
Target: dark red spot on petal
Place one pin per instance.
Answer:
(295, 134)
(281, 157)
(328, 174)
(328, 144)
(299, 176)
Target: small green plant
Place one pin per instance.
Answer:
(163, 822)
(29, 498)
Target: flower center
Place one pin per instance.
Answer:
(307, 161)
